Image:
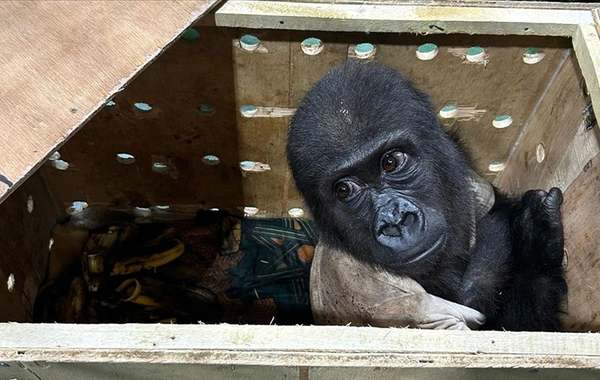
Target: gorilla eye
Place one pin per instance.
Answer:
(345, 188)
(391, 161)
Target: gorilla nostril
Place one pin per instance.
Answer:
(409, 219)
(391, 230)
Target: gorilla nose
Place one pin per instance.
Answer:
(391, 230)
(395, 229)
(399, 224)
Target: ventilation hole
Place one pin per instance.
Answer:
(526, 29)
(160, 167)
(10, 283)
(296, 212)
(250, 210)
(502, 121)
(191, 35)
(55, 156)
(142, 107)
(249, 42)
(143, 211)
(50, 244)
(533, 56)
(30, 204)
(125, 158)
(364, 50)
(475, 54)
(248, 110)
(448, 112)
(110, 103)
(247, 165)
(211, 160)
(427, 52)
(5, 365)
(496, 166)
(60, 165)
(162, 207)
(206, 109)
(77, 207)
(312, 46)
(540, 153)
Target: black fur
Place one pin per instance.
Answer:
(415, 220)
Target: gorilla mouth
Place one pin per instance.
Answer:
(434, 247)
(412, 255)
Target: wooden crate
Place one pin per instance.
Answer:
(64, 61)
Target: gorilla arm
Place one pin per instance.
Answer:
(344, 290)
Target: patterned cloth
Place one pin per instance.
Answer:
(276, 265)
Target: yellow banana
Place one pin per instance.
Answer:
(149, 260)
(145, 300)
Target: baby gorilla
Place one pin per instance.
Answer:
(385, 183)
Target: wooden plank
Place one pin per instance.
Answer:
(24, 247)
(587, 49)
(477, 3)
(581, 209)
(142, 371)
(296, 346)
(553, 125)
(262, 79)
(400, 18)
(327, 373)
(159, 371)
(64, 59)
(584, 147)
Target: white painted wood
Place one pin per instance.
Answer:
(391, 17)
(587, 49)
(296, 346)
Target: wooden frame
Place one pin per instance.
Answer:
(29, 351)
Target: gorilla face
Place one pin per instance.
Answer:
(381, 178)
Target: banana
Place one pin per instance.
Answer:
(145, 300)
(74, 308)
(149, 260)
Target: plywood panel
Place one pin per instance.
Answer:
(263, 80)
(24, 247)
(554, 124)
(175, 132)
(582, 238)
(63, 59)
(506, 85)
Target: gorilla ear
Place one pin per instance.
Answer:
(484, 195)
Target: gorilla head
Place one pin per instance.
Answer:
(381, 178)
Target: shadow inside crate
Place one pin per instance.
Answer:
(217, 268)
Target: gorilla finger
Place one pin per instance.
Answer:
(554, 198)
